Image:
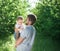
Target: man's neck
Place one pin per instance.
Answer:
(29, 25)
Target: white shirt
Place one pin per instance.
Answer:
(20, 26)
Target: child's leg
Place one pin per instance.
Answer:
(18, 35)
(15, 35)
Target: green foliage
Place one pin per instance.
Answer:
(47, 26)
(48, 18)
(7, 44)
(9, 10)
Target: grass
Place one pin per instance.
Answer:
(40, 44)
(45, 44)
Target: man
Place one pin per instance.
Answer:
(25, 42)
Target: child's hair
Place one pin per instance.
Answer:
(20, 18)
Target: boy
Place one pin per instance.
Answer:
(19, 26)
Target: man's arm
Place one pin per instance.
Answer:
(22, 37)
(19, 41)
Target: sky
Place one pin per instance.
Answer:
(33, 3)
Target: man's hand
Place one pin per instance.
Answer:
(15, 45)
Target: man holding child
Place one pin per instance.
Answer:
(25, 35)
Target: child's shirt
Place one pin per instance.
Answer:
(21, 27)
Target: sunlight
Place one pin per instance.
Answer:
(33, 3)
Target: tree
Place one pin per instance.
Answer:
(9, 10)
(48, 18)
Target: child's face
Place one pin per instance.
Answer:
(19, 22)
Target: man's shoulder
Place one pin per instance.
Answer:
(34, 28)
(24, 26)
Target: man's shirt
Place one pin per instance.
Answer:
(28, 34)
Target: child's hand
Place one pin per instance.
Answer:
(20, 29)
(16, 30)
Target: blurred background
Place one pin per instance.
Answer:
(47, 24)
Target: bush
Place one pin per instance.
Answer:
(48, 18)
(9, 10)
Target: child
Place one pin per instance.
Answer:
(19, 26)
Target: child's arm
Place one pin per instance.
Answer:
(16, 30)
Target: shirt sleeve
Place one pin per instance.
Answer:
(24, 33)
(16, 26)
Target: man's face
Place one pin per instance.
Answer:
(28, 21)
(19, 22)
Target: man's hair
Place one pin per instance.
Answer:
(31, 18)
(19, 18)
